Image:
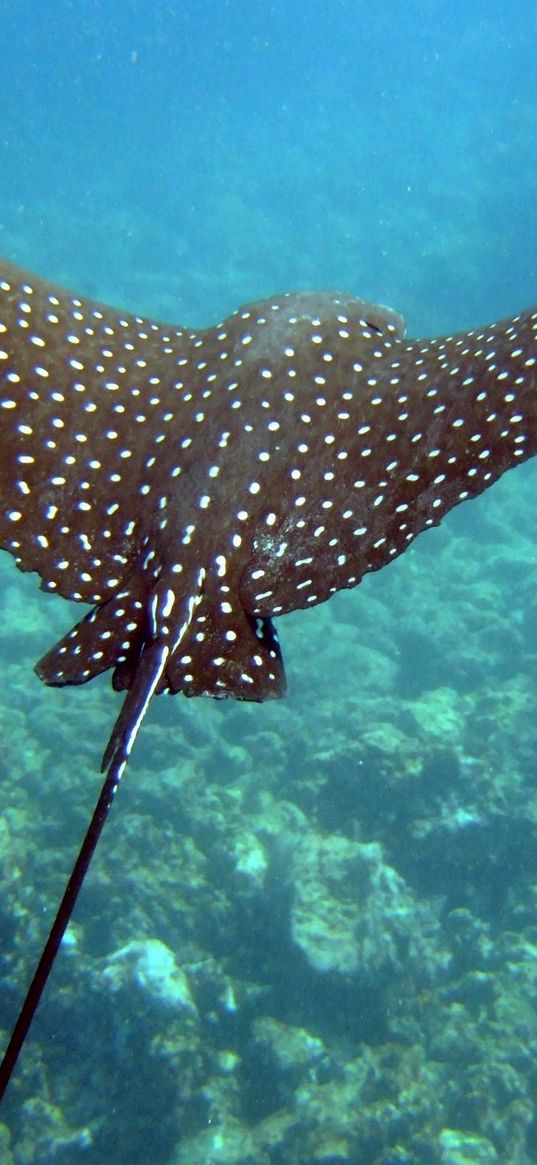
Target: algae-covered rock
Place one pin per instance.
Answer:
(6, 1156)
(153, 967)
(292, 1047)
(461, 1148)
(47, 1136)
(440, 714)
(251, 859)
(230, 1143)
(353, 912)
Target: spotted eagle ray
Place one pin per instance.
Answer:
(192, 485)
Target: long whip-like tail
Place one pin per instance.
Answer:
(148, 674)
(57, 930)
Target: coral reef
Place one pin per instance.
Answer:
(312, 938)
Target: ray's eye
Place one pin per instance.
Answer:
(374, 327)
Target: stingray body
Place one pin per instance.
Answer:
(190, 486)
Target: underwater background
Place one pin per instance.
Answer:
(310, 930)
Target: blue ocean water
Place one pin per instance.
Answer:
(310, 930)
